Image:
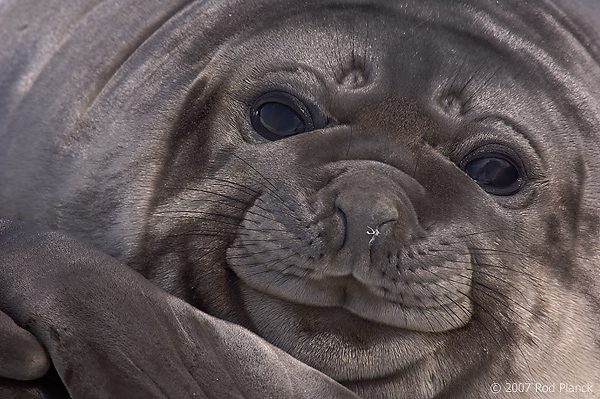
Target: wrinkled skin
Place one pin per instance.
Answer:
(363, 247)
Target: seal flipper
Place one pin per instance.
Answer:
(110, 333)
(21, 355)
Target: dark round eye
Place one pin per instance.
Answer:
(280, 119)
(277, 115)
(497, 172)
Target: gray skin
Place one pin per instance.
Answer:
(361, 247)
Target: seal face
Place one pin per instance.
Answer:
(380, 208)
(401, 196)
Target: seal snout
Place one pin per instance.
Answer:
(357, 244)
(363, 214)
(373, 207)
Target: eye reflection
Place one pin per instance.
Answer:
(495, 175)
(280, 119)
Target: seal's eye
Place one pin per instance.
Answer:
(497, 169)
(277, 115)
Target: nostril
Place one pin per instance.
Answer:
(386, 222)
(377, 231)
(344, 225)
(362, 215)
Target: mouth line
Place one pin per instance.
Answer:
(343, 285)
(358, 299)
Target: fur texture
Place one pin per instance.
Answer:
(370, 246)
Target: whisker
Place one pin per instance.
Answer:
(482, 86)
(273, 189)
(450, 312)
(418, 159)
(481, 271)
(201, 190)
(252, 253)
(214, 234)
(271, 240)
(475, 319)
(221, 203)
(496, 299)
(231, 183)
(506, 332)
(179, 216)
(449, 87)
(495, 292)
(484, 250)
(479, 233)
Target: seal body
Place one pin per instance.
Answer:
(402, 195)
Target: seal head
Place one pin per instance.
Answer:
(401, 195)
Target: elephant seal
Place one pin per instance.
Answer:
(403, 195)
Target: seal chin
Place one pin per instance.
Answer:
(335, 341)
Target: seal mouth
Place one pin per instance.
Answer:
(417, 310)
